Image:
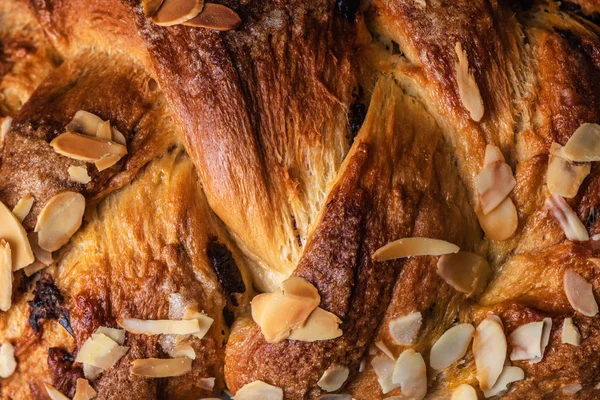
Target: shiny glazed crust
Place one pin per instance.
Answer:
(297, 145)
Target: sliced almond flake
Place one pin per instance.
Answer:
(493, 154)
(5, 276)
(151, 7)
(580, 293)
(106, 162)
(60, 218)
(384, 349)
(23, 207)
(207, 384)
(216, 17)
(41, 255)
(464, 392)
(509, 375)
(384, 369)
(100, 351)
(33, 268)
(259, 390)
(8, 364)
(4, 128)
(467, 86)
(494, 183)
(415, 246)
(54, 394)
(583, 145)
(86, 148)
(320, 325)
(411, 373)
(184, 349)
(159, 326)
(564, 177)
(83, 390)
(501, 223)
(161, 368)
(173, 12)
(363, 364)
(297, 286)
(466, 272)
(79, 174)
(333, 378)
(104, 131)
(91, 373)
(204, 321)
(84, 122)
(570, 333)
(569, 221)
(451, 346)
(572, 388)
(118, 335)
(527, 341)
(13, 232)
(118, 136)
(489, 349)
(404, 329)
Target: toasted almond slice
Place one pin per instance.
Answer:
(83, 390)
(489, 349)
(86, 148)
(333, 378)
(466, 272)
(100, 351)
(570, 333)
(84, 122)
(494, 183)
(4, 128)
(384, 349)
(404, 329)
(572, 388)
(467, 86)
(91, 373)
(451, 346)
(207, 384)
(527, 340)
(493, 154)
(8, 364)
(464, 392)
(118, 335)
(5, 275)
(320, 325)
(60, 218)
(583, 145)
(161, 368)
(297, 286)
(13, 232)
(23, 207)
(384, 369)
(217, 17)
(204, 321)
(41, 255)
(184, 349)
(107, 162)
(569, 221)
(564, 177)
(259, 390)
(79, 174)
(501, 223)
(104, 131)
(411, 373)
(509, 375)
(33, 268)
(151, 7)
(415, 246)
(159, 326)
(173, 12)
(53, 393)
(580, 293)
(118, 136)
